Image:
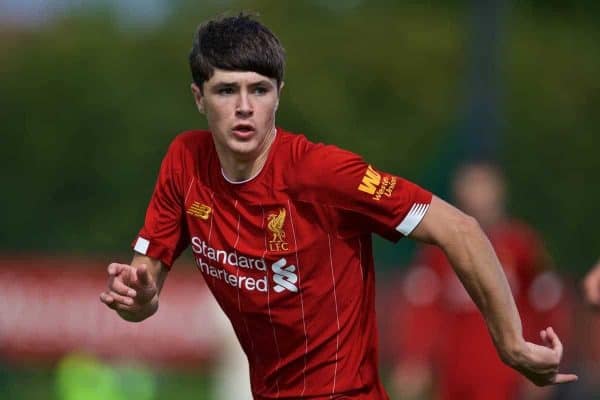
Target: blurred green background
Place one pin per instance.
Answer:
(91, 95)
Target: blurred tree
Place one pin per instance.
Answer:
(88, 109)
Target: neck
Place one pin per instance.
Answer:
(242, 167)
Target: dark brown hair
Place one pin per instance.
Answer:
(235, 44)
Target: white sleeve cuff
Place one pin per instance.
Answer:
(141, 245)
(412, 219)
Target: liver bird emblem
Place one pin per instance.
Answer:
(275, 225)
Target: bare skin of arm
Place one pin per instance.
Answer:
(477, 266)
(133, 289)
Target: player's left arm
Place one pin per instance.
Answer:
(476, 264)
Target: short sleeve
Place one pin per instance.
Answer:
(365, 198)
(164, 235)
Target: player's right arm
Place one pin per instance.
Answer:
(133, 289)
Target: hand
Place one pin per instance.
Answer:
(131, 291)
(540, 363)
(591, 286)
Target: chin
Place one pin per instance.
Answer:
(243, 148)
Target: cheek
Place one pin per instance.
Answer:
(216, 112)
(269, 110)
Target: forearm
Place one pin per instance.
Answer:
(478, 268)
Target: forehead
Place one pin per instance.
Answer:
(237, 77)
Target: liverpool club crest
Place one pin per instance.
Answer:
(278, 241)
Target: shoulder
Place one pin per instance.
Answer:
(298, 149)
(184, 154)
(191, 141)
(311, 164)
(318, 172)
(291, 147)
(189, 147)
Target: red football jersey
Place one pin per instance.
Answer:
(288, 256)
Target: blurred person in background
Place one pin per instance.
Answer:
(439, 340)
(586, 339)
(281, 228)
(591, 286)
(589, 337)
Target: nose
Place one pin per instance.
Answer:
(244, 107)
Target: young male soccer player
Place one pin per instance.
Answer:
(281, 227)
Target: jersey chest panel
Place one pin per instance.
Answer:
(251, 255)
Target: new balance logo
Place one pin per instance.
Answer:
(284, 277)
(370, 181)
(199, 210)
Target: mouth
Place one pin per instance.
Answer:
(243, 131)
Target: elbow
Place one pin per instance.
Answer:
(462, 228)
(465, 225)
(447, 227)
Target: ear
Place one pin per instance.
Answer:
(281, 85)
(198, 97)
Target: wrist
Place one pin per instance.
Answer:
(513, 351)
(141, 313)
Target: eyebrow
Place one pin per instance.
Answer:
(236, 84)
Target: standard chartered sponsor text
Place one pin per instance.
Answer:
(207, 255)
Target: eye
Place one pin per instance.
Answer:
(260, 90)
(225, 91)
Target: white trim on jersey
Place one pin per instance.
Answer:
(300, 290)
(141, 245)
(262, 228)
(412, 219)
(337, 316)
(239, 182)
(253, 176)
(237, 275)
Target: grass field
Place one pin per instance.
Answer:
(40, 384)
